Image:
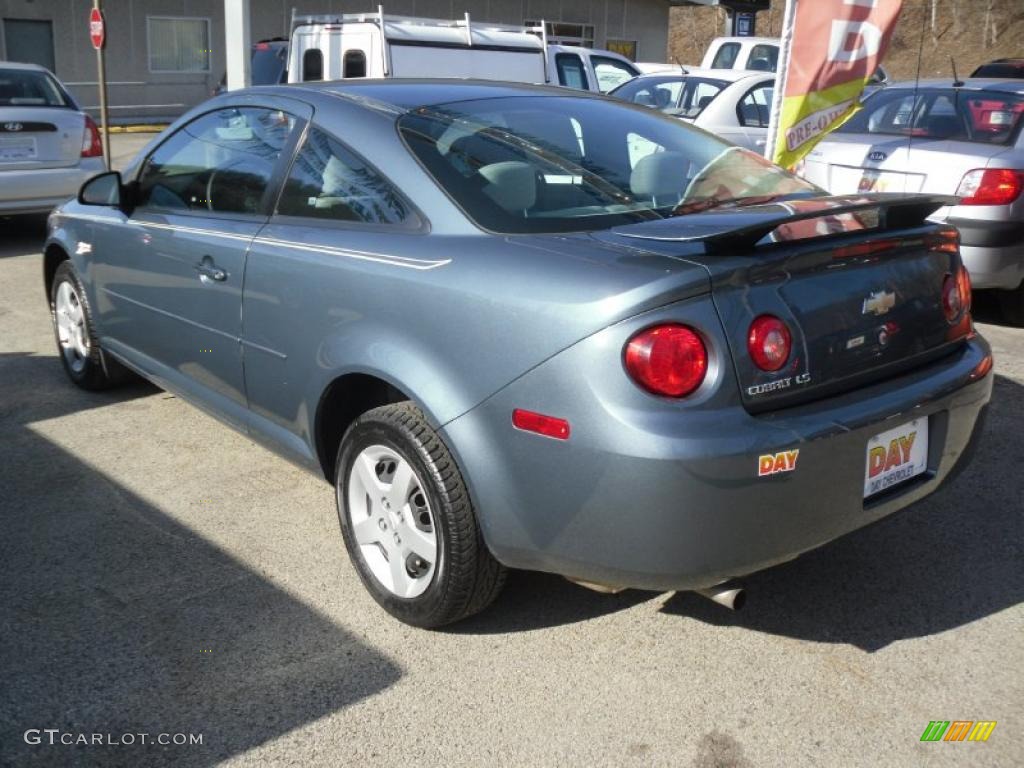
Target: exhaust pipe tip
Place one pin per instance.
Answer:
(732, 596)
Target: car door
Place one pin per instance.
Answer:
(339, 226)
(169, 275)
(752, 113)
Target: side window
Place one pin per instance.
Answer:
(611, 72)
(220, 162)
(754, 108)
(725, 56)
(312, 65)
(571, 72)
(664, 95)
(327, 181)
(354, 64)
(764, 58)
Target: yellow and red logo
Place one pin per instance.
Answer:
(882, 459)
(775, 463)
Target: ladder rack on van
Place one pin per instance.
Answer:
(380, 18)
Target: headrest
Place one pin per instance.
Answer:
(658, 174)
(511, 184)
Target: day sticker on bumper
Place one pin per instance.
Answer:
(895, 456)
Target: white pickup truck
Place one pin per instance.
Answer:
(758, 54)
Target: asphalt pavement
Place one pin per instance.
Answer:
(161, 574)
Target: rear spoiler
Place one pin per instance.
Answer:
(739, 229)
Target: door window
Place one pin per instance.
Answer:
(571, 72)
(354, 64)
(312, 65)
(221, 162)
(327, 181)
(754, 108)
(764, 58)
(611, 72)
(725, 56)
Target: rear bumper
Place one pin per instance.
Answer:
(992, 251)
(665, 503)
(39, 191)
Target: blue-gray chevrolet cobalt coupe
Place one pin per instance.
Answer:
(519, 327)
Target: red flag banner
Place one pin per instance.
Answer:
(830, 49)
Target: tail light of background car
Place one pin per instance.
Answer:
(669, 360)
(769, 342)
(990, 186)
(92, 145)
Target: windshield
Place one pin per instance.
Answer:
(982, 117)
(562, 164)
(29, 88)
(683, 96)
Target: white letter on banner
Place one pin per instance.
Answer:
(870, 40)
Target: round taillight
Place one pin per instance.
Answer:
(952, 299)
(769, 342)
(668, 360)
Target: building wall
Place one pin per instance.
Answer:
(137, 93)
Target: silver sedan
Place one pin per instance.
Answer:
(48, 146)
(964, 139)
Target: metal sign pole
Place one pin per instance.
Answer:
(101, 65)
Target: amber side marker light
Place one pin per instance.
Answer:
(549, 426)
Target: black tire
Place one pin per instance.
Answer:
(1011, 305)
(466, 577)
(91, 372)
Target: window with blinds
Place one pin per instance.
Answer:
(178, 44)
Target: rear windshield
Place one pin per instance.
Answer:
(559, 164)
(28, 88)
(983, 117)
(683, 96)
(1010, 69)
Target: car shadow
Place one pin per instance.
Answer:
(985, 308)
(951, 559)
(22, 234)
(532, 600)
(119, 620)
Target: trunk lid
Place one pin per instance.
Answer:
(40, 137)
(857, 280)
(861, 163)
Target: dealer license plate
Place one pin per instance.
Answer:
(17, 148)
(895, 456)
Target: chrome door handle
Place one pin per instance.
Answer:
(207, 270)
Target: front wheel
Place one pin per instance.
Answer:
(408, 522)
(73, 327)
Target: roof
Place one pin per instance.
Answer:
(729, 75)
(20, 65)
(969, 84)
(407, 93)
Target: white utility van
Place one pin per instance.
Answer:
(376, 45)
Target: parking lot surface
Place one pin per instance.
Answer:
(160, 573)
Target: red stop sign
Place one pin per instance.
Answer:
(97, 29)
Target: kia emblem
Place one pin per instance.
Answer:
(877, 156)
(12, 127)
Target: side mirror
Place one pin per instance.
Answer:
(104, 189)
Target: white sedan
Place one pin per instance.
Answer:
(729, 103)
(48, 146)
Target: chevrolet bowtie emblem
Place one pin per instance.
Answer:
(879, 302)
